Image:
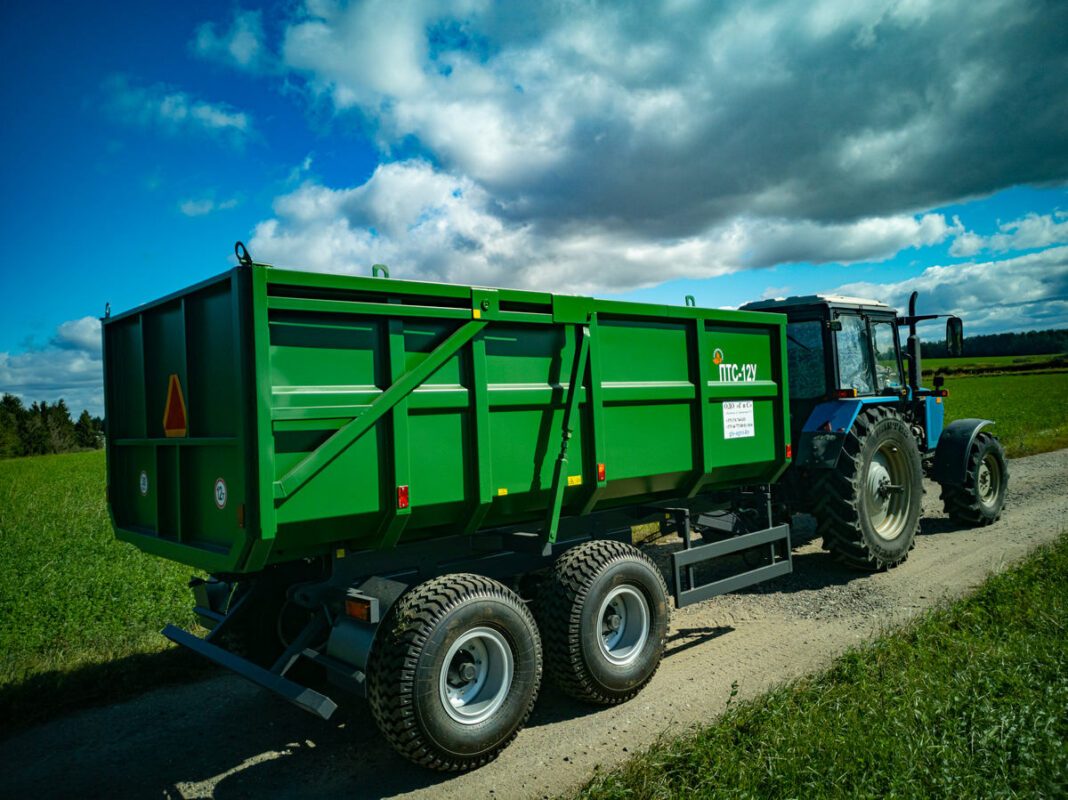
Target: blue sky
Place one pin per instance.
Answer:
(646, 151)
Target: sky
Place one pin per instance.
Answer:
(634, 150)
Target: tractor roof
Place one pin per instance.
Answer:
(836, 300)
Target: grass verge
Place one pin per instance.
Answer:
(968, 701)
(80, 612)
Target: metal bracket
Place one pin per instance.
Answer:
(574, 392)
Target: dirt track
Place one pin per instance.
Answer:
(225, 738)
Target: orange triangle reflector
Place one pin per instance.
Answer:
(174, 420)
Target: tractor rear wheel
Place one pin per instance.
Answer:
(455, 672)
(868, 508)
(604, 618)
(980, 499)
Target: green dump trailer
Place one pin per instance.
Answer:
(420, 492)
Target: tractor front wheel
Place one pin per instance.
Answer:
(868, 508)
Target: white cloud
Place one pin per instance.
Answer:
(428, 224)
(1023, 293)
(242, 43)
(1027, 233)
(598, 146)
(672, 118)
(79, 334)
(205, 205)
(69, 368)
(175, 111)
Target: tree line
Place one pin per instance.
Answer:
(1028, 343)
(41, 429)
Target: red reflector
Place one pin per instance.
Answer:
(174, 419)
(944, 393)
(846, 393)
(826, 426)
(600, 472)
(789, 451)
(359, 608)
(402, 497)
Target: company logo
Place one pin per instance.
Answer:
(733, 373)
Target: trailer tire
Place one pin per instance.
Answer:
(868, 507)
(590, 655)
(454, 672)
(980, 500)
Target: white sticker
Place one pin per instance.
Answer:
(220, 493)
(738, 419)
(143, 483)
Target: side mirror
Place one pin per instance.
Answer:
(955, 337)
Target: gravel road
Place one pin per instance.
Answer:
(225, 738)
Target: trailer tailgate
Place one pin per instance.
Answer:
(178, 405)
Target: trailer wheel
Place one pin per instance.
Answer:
(455, 672)
(604, 617)
(868, 508)
(980, 500)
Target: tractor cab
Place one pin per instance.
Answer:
(838, 347)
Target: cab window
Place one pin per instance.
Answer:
(804, 359)
(854, 355)
(887, 369)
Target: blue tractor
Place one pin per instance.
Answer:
(865, 431)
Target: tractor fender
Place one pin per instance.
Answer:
(824, 433)
(951, 456)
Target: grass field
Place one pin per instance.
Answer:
(71, 595)
(967, 702)
(1030, 411)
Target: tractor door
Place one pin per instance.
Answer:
(855, 358)
(810, 369)
(889, 375)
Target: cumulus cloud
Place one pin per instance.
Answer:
(175, 111)
(241, 44)
(1028, 292)
(669, 117)
(427, 224)
(79, 334)
(595, 146)
(1027, 233)
(69, 367)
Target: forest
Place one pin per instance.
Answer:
(41, 429)
(1025, 343)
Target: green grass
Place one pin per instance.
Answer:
(1030, 411)
(72, 597)
(969, 701)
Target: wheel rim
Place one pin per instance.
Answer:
(988, 481)
(476, 675)
(623, 625)
(888, 491)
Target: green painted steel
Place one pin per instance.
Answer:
(313, 399)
